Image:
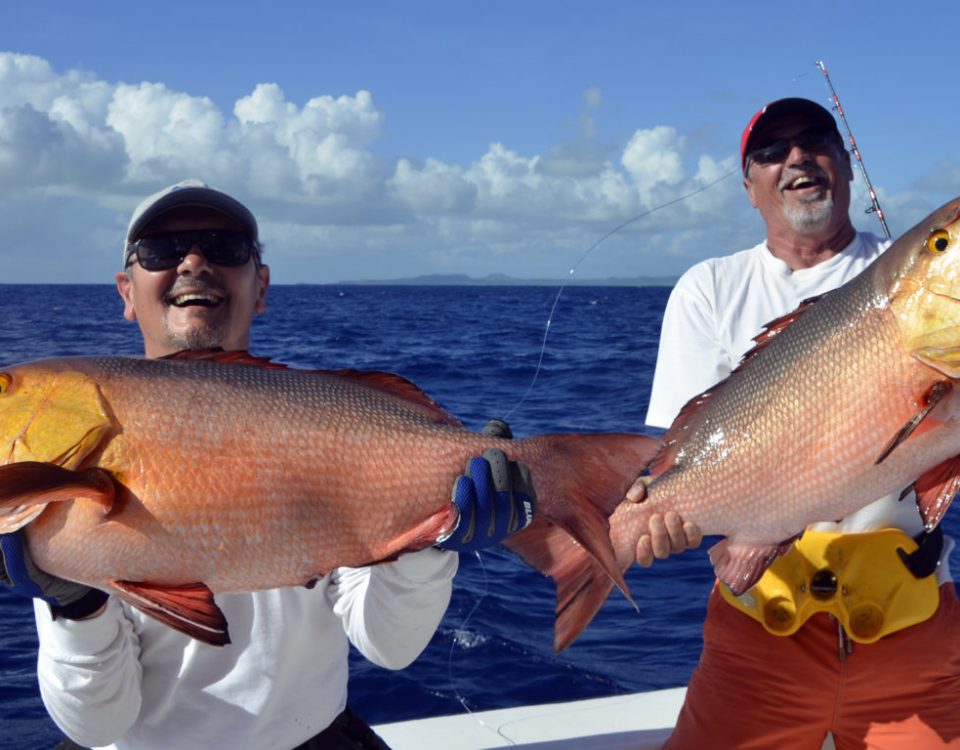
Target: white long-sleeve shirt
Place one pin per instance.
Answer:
(712, 316)
(124, 680)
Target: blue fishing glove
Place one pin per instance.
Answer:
(67, 599)
(495, 498)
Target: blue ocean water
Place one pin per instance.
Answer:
(475, 350)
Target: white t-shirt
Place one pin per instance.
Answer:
(712, 316)
(124, 680)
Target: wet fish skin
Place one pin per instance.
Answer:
(847, 400)
(165, 481)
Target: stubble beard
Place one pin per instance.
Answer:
(199, 335)
(811, 213)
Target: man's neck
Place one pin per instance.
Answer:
(805, 250)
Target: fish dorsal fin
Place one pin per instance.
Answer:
(775, 327)
(398, 386)
(388, 382)
(189, 608)
(688, 415)
(237, 357)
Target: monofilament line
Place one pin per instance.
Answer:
(628, 222)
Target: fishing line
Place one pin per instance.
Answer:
(556, 301)
(453, 642)
(543, 347)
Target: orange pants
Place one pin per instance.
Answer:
(755, 690)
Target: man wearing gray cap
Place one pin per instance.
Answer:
(111, 676)
(786, 681)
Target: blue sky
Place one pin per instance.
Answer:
(388, 139)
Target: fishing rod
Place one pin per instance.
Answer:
(875, 208)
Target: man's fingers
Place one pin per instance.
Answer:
(693, 534)
(660, 537)
(638, 491)
(644, 551)
(675, 532)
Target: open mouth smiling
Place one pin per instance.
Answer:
(803, 182)
(195, 299)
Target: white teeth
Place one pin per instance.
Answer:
(186, 299)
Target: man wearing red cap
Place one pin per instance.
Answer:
(896, 685)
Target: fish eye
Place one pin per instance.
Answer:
(938, 241)
(5, 382)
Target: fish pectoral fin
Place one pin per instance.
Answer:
(28, 486)
(936, 489)
(937, 392)
(946, 361)
(740, 565)
(189, 608)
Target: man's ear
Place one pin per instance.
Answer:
(125, 288)
(263, 283)
(748, 186)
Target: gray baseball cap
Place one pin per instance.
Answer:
(192, 192)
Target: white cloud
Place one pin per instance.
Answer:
(89, 150)
(654, 157)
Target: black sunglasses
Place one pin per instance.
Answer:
(162, 252)
(817, 139)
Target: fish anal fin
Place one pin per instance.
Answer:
(188, 608)
(740, 565)
(936, 489)
(937, 392)
(384, 381)
(27, 487)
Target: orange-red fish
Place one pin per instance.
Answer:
(165, 481)
(850, 398)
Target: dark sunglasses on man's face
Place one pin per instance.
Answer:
(817, 140)
(162, 252)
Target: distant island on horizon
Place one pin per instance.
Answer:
(454, 279)
(499, 279)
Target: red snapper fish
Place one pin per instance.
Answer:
(165, 481)
(851, 397)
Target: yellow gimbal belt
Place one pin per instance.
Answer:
(859, 578)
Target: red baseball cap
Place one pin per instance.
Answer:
(817, 115)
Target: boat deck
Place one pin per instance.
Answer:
(640, 721)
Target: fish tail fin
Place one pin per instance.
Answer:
(580, 480)
(582, 583)
(27, 487)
